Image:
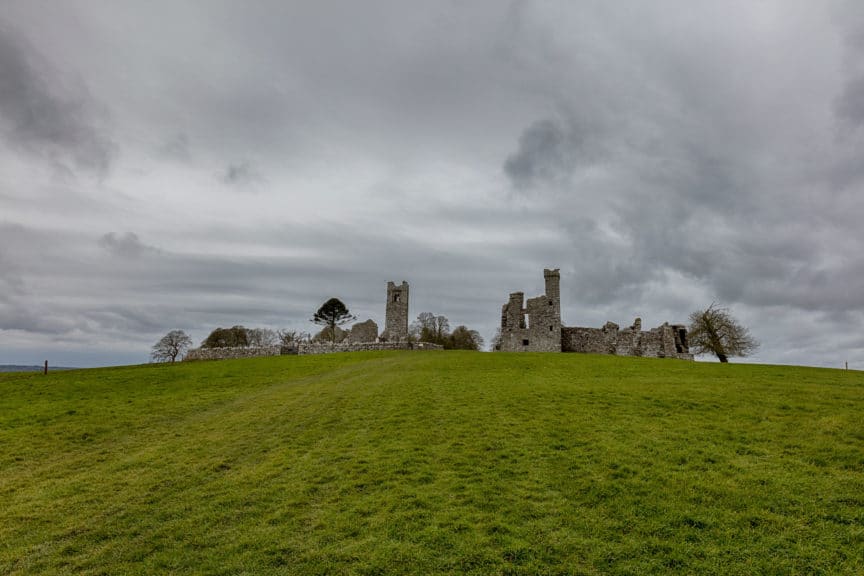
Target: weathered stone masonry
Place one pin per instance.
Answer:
(325, 348)
(232, 353)
(537, 328)
(396, 313)
(363, 332)
(303, 348)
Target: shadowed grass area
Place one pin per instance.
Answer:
(433, 463)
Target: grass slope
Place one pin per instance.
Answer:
(433, 463)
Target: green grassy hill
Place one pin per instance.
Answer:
(433, 463)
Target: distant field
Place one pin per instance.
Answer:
(20, 368)
(433, 463)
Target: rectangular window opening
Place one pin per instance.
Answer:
(524, 342)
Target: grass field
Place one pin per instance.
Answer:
(433, 463)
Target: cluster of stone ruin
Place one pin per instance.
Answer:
(536, 326)
(363, 336)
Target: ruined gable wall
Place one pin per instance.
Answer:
(363, 332)
(536, 327)
(513, 331)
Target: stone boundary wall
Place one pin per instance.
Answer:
(231, 353)
(325, 348)
(303, 348)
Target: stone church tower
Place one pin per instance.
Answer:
(396, 314)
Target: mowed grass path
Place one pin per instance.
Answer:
(433, 463)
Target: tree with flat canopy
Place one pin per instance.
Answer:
(715, 331)
(332, 314)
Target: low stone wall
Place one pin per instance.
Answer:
(324, 348)
(231, 353)
(303, 348)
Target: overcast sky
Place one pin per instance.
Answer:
(190, 165)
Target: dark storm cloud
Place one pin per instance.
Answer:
(39, 114)
(551, 151)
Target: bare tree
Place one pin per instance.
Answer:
(292, 337)
(715, 331)
(431, 328)
(261, 337)
(495, 345)
(170, 346)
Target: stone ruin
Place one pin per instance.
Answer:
(363, 336)
(532, 326)
(396, 313)
(363, 332)
(537, 328)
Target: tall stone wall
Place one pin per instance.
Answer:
(662, 342)
(396, 313)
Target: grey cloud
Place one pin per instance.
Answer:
(11, 282)
(126, 245)
(39, 115)
(241, 174)
(178, 147)
(850, 104)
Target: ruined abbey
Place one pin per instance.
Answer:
(536, 327)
